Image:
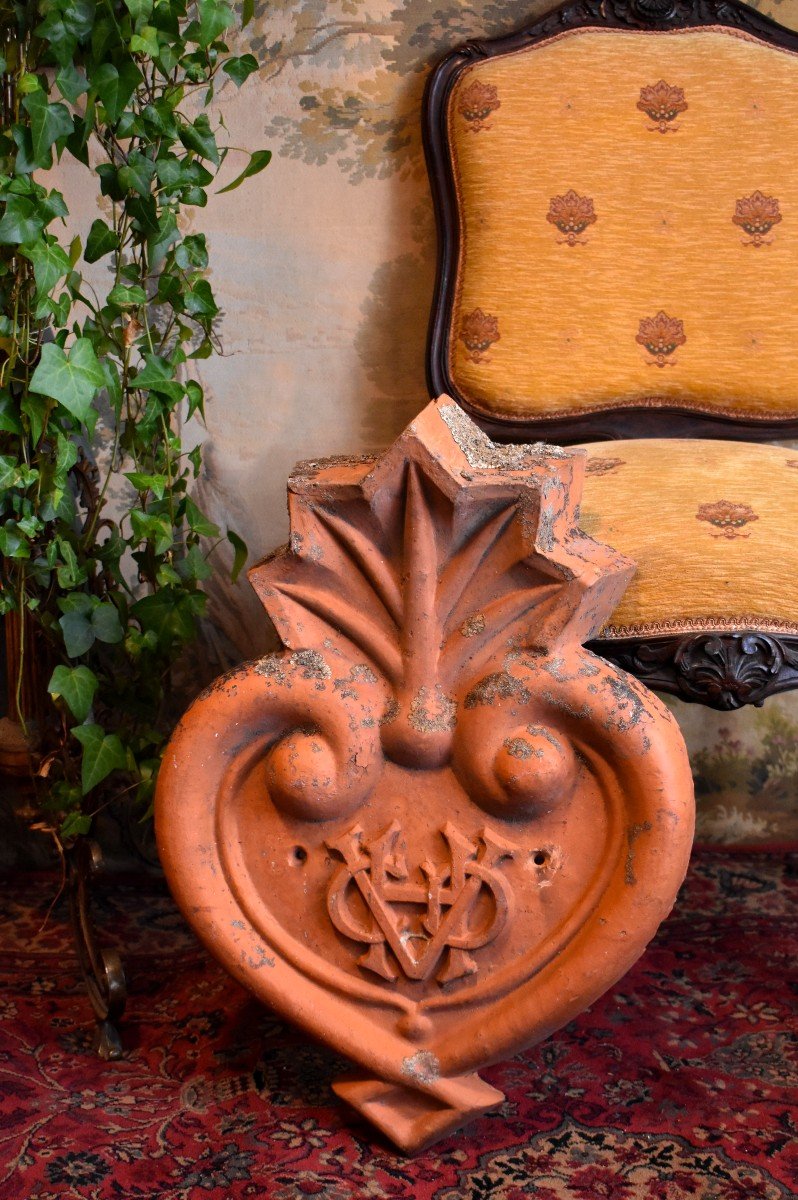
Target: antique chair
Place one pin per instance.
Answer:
(616, 192)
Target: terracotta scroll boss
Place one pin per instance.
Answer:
(433, 828)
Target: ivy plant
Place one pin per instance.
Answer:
(104, 551)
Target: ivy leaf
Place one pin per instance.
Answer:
(148, 483)
(239, 69)
(8, 470)
(102, 753)
(138, 174)
(50, 263)
(78, 601)
(127, 296)
(140, 10)
(77, 633)
(65, 26)
(156, 370)
(247, 12)
(115, 86)
(170, 170)
(12, 544)
(102, 240)
(146, 42)
(87, 622)
(48, 123)
(52, 205)
(75, 824)
(215, 17)
(257, 162)
(37, 410)
(73, 379)
(194, 195)
(198, 522)
(109, 181)
(106, 624)
(199, 301)
(169, 614)
(113, 384)
(69, 574)
(164, 236)
(199, 138)
(25, 161)
(71, 82)
(9, 418)
(194, 565)
(192, 253)
(22, 222)
(196, 399)
(144, 211)
(240, 553)
(153, 527)
(76, 686)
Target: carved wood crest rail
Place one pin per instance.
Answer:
(722, 670)
(433, 828)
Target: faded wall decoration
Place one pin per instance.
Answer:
(328, 270)
(324, 270)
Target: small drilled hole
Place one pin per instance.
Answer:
(299, 855)
(540, 858)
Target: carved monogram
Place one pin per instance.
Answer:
(446, 893)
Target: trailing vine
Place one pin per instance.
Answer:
(104, 551)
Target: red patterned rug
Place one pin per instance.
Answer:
(681, 1083)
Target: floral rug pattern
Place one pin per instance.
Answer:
(680, 1084)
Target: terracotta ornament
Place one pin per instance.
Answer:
(433, 828)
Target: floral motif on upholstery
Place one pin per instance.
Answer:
(478, 331)
(756, 215)
(728, 517)
(571, 214)
(661, 336)
(603, 466)
(662, 103)
(476, 103)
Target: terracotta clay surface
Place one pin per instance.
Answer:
(433, 828)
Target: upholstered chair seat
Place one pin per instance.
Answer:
(711, 526)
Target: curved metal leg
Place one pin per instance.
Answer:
(102, 969)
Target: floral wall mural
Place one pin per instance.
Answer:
(324, 270)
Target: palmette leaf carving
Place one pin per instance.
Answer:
(443, 554)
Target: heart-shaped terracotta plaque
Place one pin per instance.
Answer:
(433, 828)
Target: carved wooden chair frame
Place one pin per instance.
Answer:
(724, 669)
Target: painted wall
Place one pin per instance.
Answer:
(325, 270)
(324, 266)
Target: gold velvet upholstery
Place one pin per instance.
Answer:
(629, 226)
(711, 526)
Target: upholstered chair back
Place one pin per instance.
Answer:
(619, 219)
